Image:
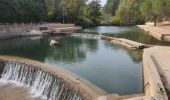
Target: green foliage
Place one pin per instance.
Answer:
(155, 10)
(111, 6)
(94, 12)
(90, 15)
(115, 12)
(34, 11)
(66, 11)
(116, 20)
(131, 12)
(84, 21)
(128, 12)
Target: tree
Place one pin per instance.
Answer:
(111, 6)
(72, 9)
(165, 8)
(155, 9)
(66, 11)
(7, 11)
(94, 10)
(128, 12)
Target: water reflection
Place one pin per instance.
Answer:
(24, 47)
(132, 33)
(136, 56)
(107, 29)
(71, 50)
(112, 68)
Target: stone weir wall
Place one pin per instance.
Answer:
(52, 83)
(126, 43)
(15, 30)
(18, 30)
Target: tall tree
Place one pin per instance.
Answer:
(95, 11)
(155, 9)
(128, 12)
(111, 6)
(31, 10)
(8, 11)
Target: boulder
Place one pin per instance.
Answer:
(54, 43)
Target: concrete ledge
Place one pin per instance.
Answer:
(155, 78)
(23, 30)
(126, 43)
(71, 80)
(159, 33)
(86, 91)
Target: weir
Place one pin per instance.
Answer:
(39, 81)
(48, 86)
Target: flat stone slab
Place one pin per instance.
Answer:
(159, 32)
(125, 42)
(161, 58)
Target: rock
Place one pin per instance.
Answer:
(35, 32)
(53, 43)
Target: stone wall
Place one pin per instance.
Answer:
(15, 30)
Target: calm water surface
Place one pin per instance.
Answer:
(128, 32)
(110, 67)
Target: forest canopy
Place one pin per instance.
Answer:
(132, 12)
(63, 11)
(83, 12)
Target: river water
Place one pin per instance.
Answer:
(128, 32)
(110, 67)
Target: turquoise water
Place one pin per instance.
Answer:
(110, 67)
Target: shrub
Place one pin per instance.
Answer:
(116, 20)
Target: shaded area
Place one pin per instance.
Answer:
(24, 47)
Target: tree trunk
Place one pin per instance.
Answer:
(155, 18)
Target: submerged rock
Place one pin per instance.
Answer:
(54, 43)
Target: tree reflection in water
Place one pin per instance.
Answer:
(71, 50)
(136, 55)
(97, 61)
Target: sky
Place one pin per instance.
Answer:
(103, 2)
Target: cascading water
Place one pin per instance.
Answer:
(40, 83)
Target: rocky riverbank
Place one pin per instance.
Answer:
(15, 30)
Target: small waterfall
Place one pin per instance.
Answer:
(40, 83)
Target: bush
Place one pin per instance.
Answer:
(84, 22)
(116, 20)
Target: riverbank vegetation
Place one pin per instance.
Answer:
(79, 12)
(132, 12)
(84, 12)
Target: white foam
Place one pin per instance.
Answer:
(39, 83)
